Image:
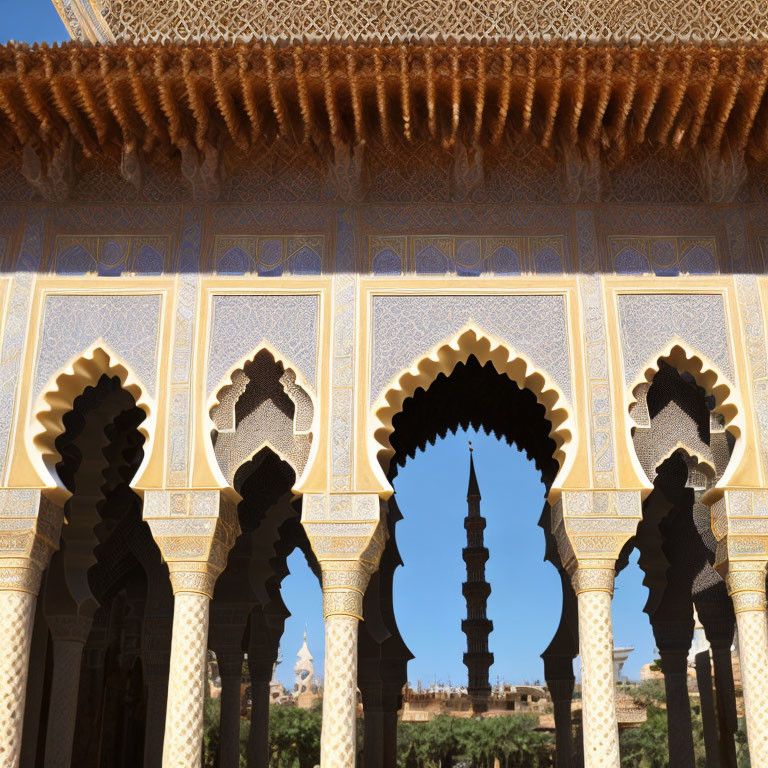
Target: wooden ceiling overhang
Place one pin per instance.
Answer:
(165, 100)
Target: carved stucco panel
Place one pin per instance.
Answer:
(129, 324)
(406, 327)
(649, 321)
(17, 318)
(240, 322)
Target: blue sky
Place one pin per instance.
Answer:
(525, 599)
(30, 21)
(525, 602)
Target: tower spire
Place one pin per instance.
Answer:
(477, 627)
(473, 489)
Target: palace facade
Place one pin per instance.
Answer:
(255, 255)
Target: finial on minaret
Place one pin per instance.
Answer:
(473, 489)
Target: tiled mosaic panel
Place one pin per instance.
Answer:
(439, 255)
(269, 255)
(110, 255)
(663, 256)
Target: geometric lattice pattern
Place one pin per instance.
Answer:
(17, 610)
(601, 733)
(753, 656)
(679, 20)
(184, 718)
(337, 748)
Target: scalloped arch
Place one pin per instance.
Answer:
(58, 396)
(227, 381)
(686, 359)
(443, 358)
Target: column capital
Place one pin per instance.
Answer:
(745, 581)
(195, 530)
(596, 576)
(31, 526)
(348, 534)
(344, 584)
(73, 628)
(591, 526)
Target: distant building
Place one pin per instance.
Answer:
(423, 706)
(306, 690)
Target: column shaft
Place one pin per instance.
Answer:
(67, 660)
(258, 737)
(186, 685)
(229, 726)
(725, 692)
(562, 696)
(708, 716)
(373, 744)
(753, 655)
(746, 585)
(679, 727)
(338, 743)
(389, 736)
(601, 732)
(17, 611)
(34, 689)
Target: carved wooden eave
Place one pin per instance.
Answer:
(586, 105)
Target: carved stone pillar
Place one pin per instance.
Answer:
(674, 664)
(30, 535)
(560, 685)
(746, 585)
(594, 591)
(719, 622)
(741, 559)
(348, 553)
(195, 531)
(708, 712)
(35, 685)
(69, 634)
(258, 736)
(591, 527)
(230, 670)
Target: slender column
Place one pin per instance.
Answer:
(389, 737)
(342, 608)
(258, 736)
(725, 692)
(594, 590)
(230, 670)
(344, 583)
(31, 534)
(186, 684)
(338, 741)
(561, 690)
(17, 611)
(707, 699)
(35, 682)
(195, 531)
(674, 664)
(69, 634)
(746, 585)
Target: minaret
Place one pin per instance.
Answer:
(476, 589)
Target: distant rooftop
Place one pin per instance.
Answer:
(723, 22)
